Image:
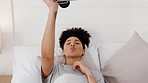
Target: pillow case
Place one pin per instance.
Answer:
(129, 64)
(27, 65)
(90, 57)
(107, 50)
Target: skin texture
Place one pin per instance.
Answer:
(73, 49)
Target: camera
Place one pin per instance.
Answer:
(63, 4)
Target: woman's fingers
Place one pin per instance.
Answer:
(80, 66)
(76, 65)
(52, 4)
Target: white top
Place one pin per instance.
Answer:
(65, 74)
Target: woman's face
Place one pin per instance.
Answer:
(73, 47)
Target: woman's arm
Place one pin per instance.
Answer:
(48, 41)
(90, 77)
(84, 69)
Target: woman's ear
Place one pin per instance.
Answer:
(63, 52)
(83, 52)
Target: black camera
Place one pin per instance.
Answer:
(64, 4)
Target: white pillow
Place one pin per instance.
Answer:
(27, 66)
(90, 57)
(107, 50)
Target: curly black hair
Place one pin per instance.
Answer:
(80, 33)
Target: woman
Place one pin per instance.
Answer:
(73, 42)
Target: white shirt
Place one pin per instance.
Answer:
(61, 71)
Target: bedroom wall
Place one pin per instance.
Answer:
(106, 20)
(6, 28)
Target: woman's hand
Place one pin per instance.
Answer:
(52, 4)
(81, 66)
(84, 69)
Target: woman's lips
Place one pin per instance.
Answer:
(72, 48)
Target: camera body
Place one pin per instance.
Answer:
(64, 4)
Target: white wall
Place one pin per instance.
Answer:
(106, 20)
(6, 29)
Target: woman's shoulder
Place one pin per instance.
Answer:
(59, 66)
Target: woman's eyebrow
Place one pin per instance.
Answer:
(68, 40)
(77, 40)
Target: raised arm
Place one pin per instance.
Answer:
(48, 41)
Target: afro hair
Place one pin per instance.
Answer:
(80, 33)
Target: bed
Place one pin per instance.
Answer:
(118, 62)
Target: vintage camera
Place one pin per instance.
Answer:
(63, 4)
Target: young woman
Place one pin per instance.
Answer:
(73, 42)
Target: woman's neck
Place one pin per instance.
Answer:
(71, 60)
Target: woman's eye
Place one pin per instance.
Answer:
(67, 43)
(77, 43)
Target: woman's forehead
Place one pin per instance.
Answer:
(72, 39)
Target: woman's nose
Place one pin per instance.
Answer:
(72, 44)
